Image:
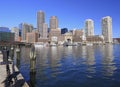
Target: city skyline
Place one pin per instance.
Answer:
(71, 14)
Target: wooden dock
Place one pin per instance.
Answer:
(10, 75)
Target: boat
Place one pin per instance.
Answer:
(17, 49)
(39, 44)
(89, 44)
(70, 44)
(53, 44)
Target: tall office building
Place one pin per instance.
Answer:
(30, 27)
(15, 30)
(53, 22)
(107, 29)
(55, 32)
(89, 27)
(25, 29)
(40, 22)
(45, 30)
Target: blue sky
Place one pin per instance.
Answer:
(71, 13)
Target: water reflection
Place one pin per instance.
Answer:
(41, 61)
(32, 79)
(23, 61)
(90, 61)
(108, 60)
(18, 60)
(54, 56)
(25, 53)
(84, 51)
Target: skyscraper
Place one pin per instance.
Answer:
(107, 29)
(89, 27)
(30, 27)
(25, 29)
(45, 30)
(53, 22)
(40, 21)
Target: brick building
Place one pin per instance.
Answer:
(31, 37)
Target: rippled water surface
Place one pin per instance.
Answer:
(78, 66)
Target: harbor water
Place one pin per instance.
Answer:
(72, 66)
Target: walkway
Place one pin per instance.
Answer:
(10, 75)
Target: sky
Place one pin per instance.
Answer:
(70, 13)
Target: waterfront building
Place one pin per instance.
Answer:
(97, 39)
(30, 27)
(40, 22)
(44, 37)
(43, 40)
(64, 30)
(72, 31)
(107, 29)
(53, 22)
(7, 37)
(68, 37)
(32, 37)
(25, 29)
(4, 29)
(54, 35)
(45, 30)
(83, 36)
(78, 34)
(15, 30)
(35, 30)
(89, 27)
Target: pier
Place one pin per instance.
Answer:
(10, 75)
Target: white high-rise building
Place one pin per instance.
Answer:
(89, 27)
(107, 29)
